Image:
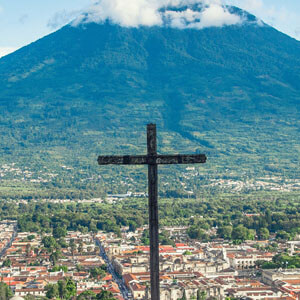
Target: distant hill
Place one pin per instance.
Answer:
(231, 92)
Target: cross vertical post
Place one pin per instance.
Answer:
(153, 211)
(152, 159)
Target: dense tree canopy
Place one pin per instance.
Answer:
(5, 291)
(236, 217)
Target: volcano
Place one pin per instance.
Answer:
(232, 92)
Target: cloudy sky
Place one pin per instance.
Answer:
(22, 22)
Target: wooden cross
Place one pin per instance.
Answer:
(152, 159)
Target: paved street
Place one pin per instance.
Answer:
(126, 294)
(10, 242)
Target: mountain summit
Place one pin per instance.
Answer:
(232, 92)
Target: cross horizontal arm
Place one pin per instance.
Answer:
(152, 159)
(181, 159)
(123, 160)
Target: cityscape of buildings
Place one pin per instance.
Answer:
(120, 265)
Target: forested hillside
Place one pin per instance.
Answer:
(232, 93)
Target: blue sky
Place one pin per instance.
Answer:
(24, 21)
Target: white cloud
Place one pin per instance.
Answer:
(134, 13)
(6, 50)
(212, 15)
(130, 13)
(218, 16)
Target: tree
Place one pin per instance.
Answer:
(31, 237)
(54, 256)
(93, 226)
(145, 238)
(72, 246)
(87, 295)
(5, 291)
(225, 232)
(240, 232)
(80, 247)
(132, 226)
(62, 243)
(194, 232)
(268, 216)
(283, 235)
(251, 234)
(59, 268)
(6, 263)
(66, 288)
(59, 232)
(49, 242)
(52, 291)
(83, 229)
(259, 263)
(201, 295)
(105, 295)
(29, 297)
(95, 272)
(165, 240)
(263, 233)
(183, 296)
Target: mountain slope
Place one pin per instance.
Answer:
(231, 92)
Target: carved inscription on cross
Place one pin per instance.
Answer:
(152, 159)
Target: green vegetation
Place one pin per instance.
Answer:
(63, 289)
(5, 291)
(163, 238)
(201, 295)
(281, 261)
(98, 272)
(212, 91)
(237, 217)
(66, 289)
(183, 296)
(195, 232)
(90, 295)
(87, 295)
(59, 268)
(105, 295)
(6, 263)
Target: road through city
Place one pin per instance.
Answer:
(124, 290)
